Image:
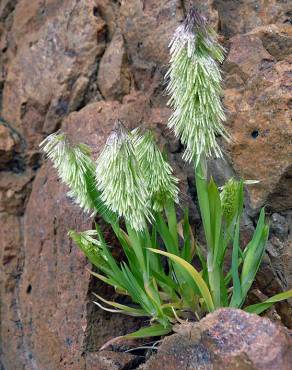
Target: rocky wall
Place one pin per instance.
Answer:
(80, 64)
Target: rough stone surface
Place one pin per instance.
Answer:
(79, 65)
(228, 339)
(258, 100)
(7, 145)
(242, 16)
(108, 360)
(58, 45)
(113, 75)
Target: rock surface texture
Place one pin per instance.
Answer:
(79, 65)
(227, 339)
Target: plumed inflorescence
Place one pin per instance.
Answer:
(194, 86)
(121, 181)
(130, 179)
(160, 181)
(74, 165)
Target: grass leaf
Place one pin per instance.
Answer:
(202, 286)
(258, 308)
(156, 330)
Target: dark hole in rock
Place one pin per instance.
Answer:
(28, 289)
(95, 11)
(255, 134)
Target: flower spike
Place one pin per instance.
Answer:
(158, 173)
(74, 166)
(120, 180)
(194, 86)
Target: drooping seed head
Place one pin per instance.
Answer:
(157, 172)
(119, 178)
(74, 166)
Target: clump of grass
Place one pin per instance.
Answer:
(132, 184)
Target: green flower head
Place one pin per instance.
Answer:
(194, 86)
(74, 164)
(229, 199)
(158, 174)
(120, 180)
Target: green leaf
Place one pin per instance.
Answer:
(165, 234)
(215, 221)
(202, 286)
(215, 216)
(104, 279)
(123, 308)
(172, 221)
(261, 307)
(236, 294)
(137, 247)
(203, 198)
(188, 249)
(156, 330)
(253, 254)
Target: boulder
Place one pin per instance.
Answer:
(227, 339)
(242, 16)
(58, 45)
(258, 98)
(114, 77)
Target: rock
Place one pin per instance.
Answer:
(242, 16)
(57, 289)
(276, 39)
(113, 75)
(246, 58)
(279, 226)
(226, 339)
(108, 360)
(287, 261)
(11, 260)
(58, 46)
(7, 145)
(257, 98)
(14, 188)
(280, 199)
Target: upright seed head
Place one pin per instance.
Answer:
(194, 86)
(229, 199)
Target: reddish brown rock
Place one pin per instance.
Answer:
(58, 44)
(258, 101)
(113, 75)
(14, 188)
(246, 58)
(276, 38)
(8, 143)
(227, 339)
(242, 16)
(11, 260)
(107, 360)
